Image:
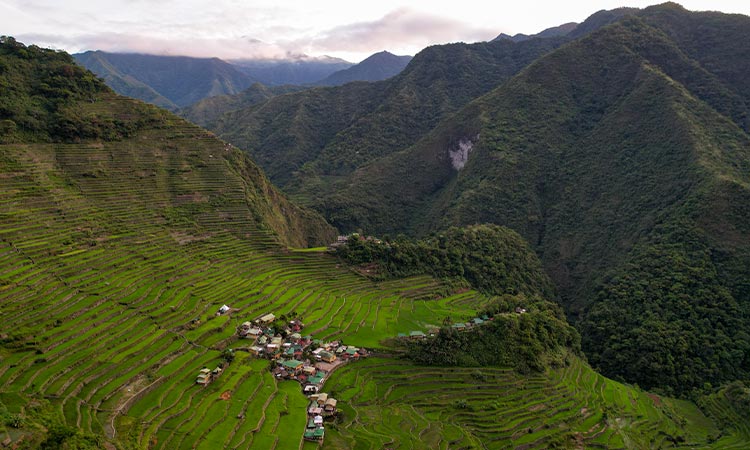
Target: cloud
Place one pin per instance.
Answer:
(228, 34)
(201, 47)
(400, 29)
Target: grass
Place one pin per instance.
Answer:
(99, 289)
(395, 403)
(108, 254)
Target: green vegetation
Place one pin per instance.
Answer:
(490, 258)
(170, 82)
(391, 403)
(621, 158)
(43, 96)
(210, 109)
(619, 153)
(668, 299)
(534, 340)
(326, 133)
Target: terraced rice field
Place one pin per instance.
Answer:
(395, 404)
(114, 258)
(108, 252)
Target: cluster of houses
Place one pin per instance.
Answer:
(321, 406)
(300, 358)
(343, 240)
(206, 375)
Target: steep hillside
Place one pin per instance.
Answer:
(624, 158)
(376, 67)
(210, 109)
(306, 140)
(393, 403)
(168, 81)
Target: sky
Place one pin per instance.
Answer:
(348, 29)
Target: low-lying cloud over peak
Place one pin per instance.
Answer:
(401, 28)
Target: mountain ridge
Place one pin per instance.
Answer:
(375, 67)
(165, 75)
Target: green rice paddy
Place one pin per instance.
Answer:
(115, 257)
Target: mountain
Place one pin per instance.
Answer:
(55, 101)
(167, 81)
(210, 109)
(134, 243)
(328, 132)
(298, 70)
(376, 67)
(622, 157)
(560, 30)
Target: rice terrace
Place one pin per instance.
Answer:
(579, 279)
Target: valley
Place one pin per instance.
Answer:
(536, 242)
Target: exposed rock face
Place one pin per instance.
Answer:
(460, 154)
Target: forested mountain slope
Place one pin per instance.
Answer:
(625, 149)
(624, 158)
(376, 67)
(305, 140)
(167, 81)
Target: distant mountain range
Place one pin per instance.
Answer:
(300, 71)
(174, 82)
(167, 81)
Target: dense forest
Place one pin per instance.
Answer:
(490, 258)
(43, 96)
(532, 340)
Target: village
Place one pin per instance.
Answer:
(307, 360)
(296, 357)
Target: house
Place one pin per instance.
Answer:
(318, 420)
(204, 377)
(477, 321)
(309, 370)
(520, 310)
(459, 326)
(327, 356)
(268, 318)
(256, 350)
(322, 398)
(292, 366)
(330, 405)
(316, 379)
(316, 435)
(223, 310)
(417, 335)
(310, 389)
